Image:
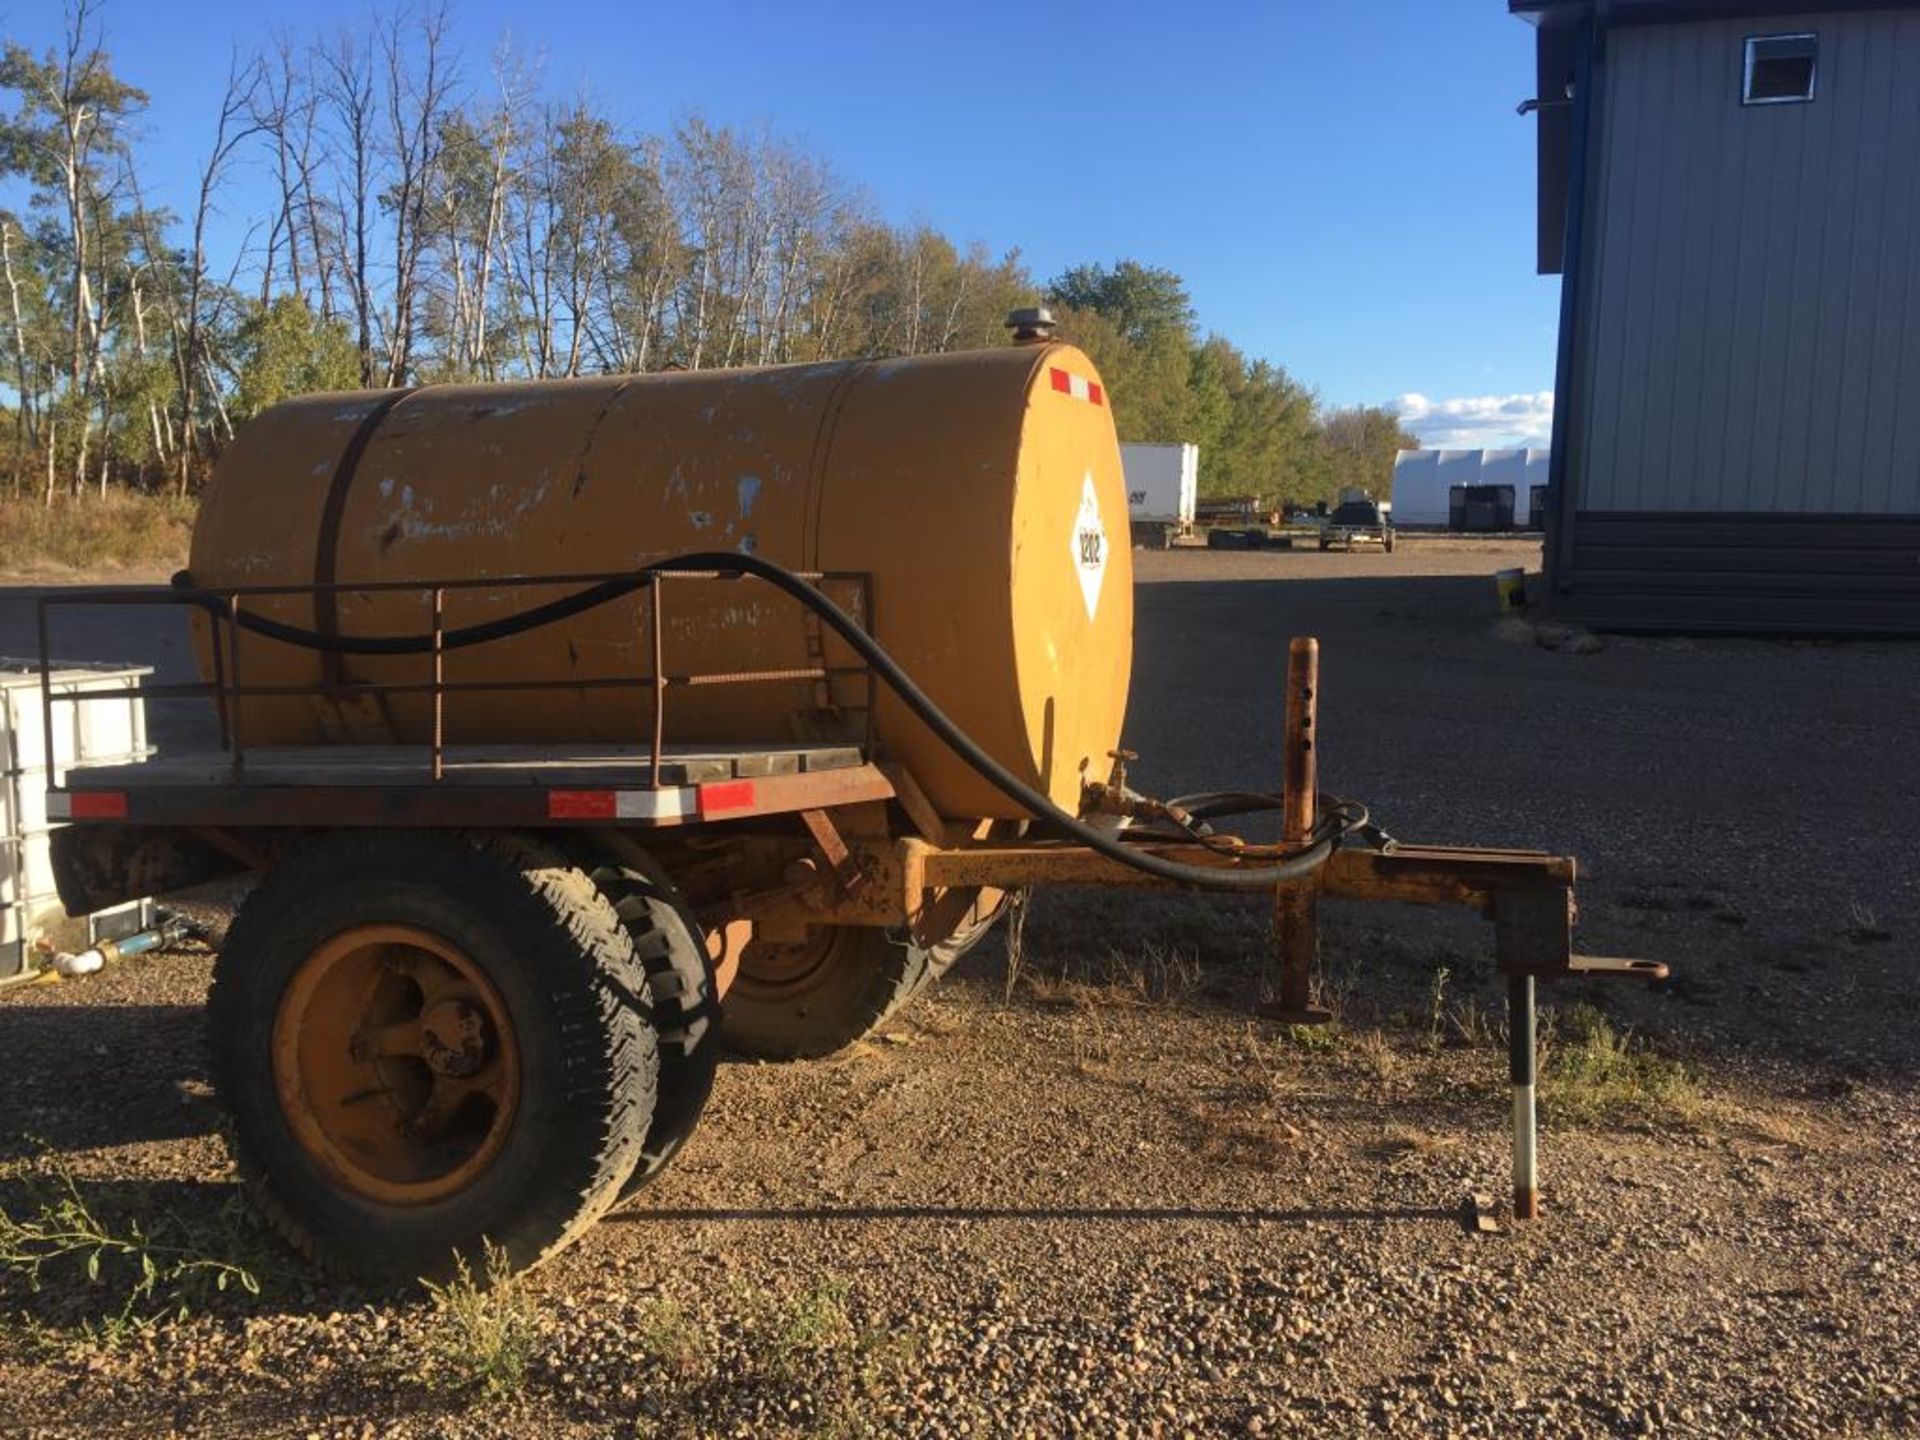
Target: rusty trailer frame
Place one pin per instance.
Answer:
(132, 826)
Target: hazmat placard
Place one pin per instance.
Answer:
(1090, 546)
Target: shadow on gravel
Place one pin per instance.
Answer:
(87, 1076)
(1092, 1214)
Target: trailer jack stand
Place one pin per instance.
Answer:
(1531, 905)
(1522, 1052)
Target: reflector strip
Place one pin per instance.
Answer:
(581, 805)
(94, 805)
(726, 797)
(657, 804)
(1078, 386)
(673, 803)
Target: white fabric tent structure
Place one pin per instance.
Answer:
(1423, 481)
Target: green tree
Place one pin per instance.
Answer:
(1143, 303)
(1357, 445)
(287, 350)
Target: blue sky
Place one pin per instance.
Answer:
(1343, 184)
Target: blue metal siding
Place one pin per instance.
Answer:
(1750, 314)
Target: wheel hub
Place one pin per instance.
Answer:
(453, 1037)
(396, 1063)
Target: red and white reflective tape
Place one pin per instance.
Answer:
(675, 802)
(86, 804)
(1078, 386)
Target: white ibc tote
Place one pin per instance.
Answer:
(92, 732)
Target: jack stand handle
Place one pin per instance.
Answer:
(1296, 905)
(1522, 1050)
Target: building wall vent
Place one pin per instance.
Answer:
(1780, 69)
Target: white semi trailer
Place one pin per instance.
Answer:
(1163, 482)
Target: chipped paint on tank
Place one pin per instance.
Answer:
(478, 514)
(749, 492)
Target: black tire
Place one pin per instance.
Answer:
(680, 983)
(865, 976)
(569, 984)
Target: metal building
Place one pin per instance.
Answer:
(1730, 192)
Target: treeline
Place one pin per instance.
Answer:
(1260, 431)
(426, 219)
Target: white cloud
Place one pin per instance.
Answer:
(1477, 422)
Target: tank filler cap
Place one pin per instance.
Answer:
(1032, 325)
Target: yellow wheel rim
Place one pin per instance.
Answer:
(396, 1064)
(781, 971)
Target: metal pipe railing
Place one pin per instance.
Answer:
(227, 688)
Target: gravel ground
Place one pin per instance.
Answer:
(1100, 1200)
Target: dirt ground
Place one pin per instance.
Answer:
(1097, 1198)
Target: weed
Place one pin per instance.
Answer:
(1092, 1048)
(1593, 1072)
(811, 1344)
(145, 1275)
(666, 1332)
(1437, 1005)
(1398, 1142)
(486, 1328)
(1318, 1039)
(1014, 937)
(1863, 925)
(1151, 974)
(1161, 975)
(1256, 1052)
(1474, 1026)
(1377, 1054)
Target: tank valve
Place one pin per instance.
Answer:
(1032, 325)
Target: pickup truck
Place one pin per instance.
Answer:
(1357, 522)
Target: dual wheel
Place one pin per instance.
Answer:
(429, 1041)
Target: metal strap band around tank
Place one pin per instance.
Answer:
(814, 501)
(326, 555)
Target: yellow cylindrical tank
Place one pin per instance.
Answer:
(981, 493)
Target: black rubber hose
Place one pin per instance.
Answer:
(517, 623)
(1337, 821)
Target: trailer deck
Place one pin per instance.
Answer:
(307, 785)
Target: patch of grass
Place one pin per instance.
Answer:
(1316, 1039)
(486, 1328)
(808, 1346)
(1594, 1073)
(135, 1275)
(669, 1335)
(1149, 974)
(121, 530)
